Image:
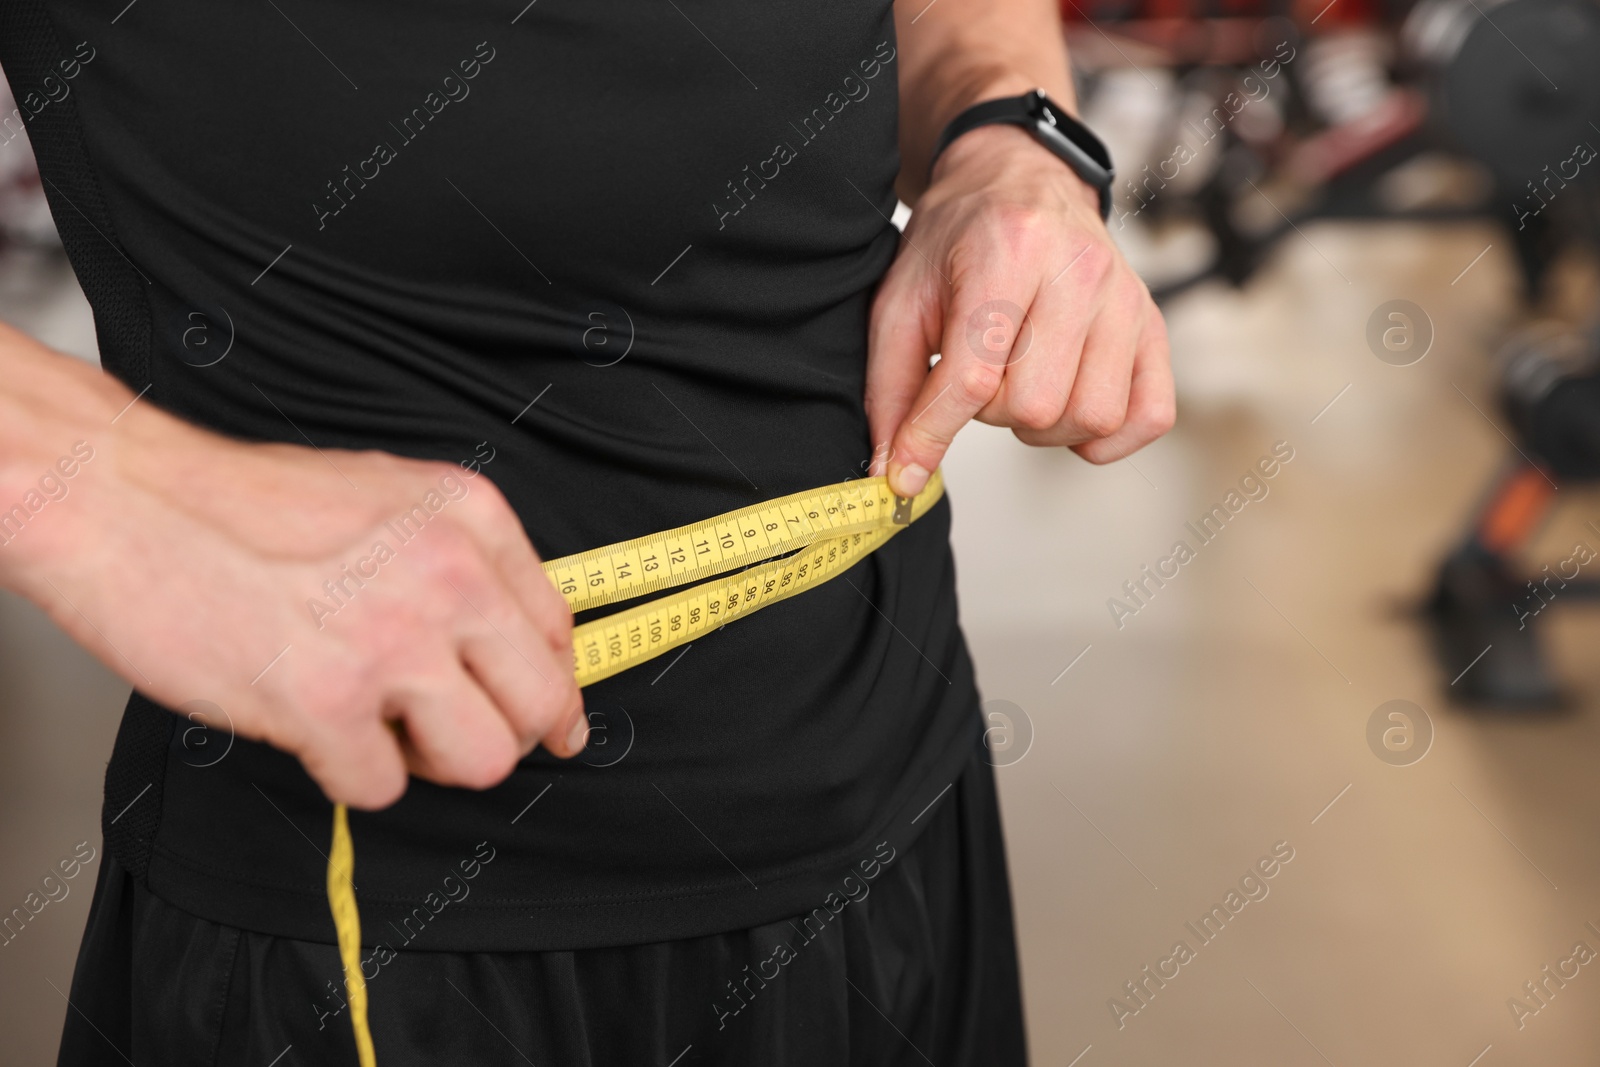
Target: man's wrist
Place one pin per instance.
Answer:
(73, 442)
(998, 149)
(49, 515)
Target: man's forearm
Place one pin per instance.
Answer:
(141, 535)
(956, 53)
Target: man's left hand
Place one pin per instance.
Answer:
(1008, 272)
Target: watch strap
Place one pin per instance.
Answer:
(1064, 136)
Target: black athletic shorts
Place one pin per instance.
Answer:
(911, 961)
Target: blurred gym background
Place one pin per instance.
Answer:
(1373, 228)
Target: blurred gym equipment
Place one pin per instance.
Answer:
(1280, 114)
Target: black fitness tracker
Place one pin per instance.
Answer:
(1052, 127)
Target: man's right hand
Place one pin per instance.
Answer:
(192, 565)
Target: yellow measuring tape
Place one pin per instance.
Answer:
(347, 922)
(819, 534)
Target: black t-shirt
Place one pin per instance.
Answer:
(620, 254)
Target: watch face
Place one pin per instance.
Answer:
(1063, 129)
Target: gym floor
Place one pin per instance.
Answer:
(1149, 768)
